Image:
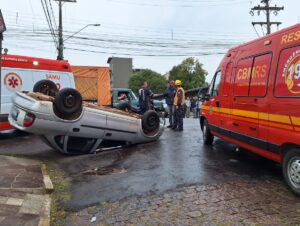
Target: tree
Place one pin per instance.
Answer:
(190, 72)
(155, 81)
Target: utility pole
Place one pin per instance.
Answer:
(268, 9)
(60, 49)
(60, 55)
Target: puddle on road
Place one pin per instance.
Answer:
(104, 171)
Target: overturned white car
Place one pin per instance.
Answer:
(69, 125)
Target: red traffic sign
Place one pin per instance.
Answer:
(2, 24)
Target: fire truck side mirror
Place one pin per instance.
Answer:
(206, 97)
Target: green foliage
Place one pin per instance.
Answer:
(190, 72)
(155, 81)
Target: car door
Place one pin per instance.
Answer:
(258, 96)
(93, 124)
(249, 101)
(226, 98)
(244, 111)
(214, 101)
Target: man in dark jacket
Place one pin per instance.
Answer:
(144, 97)
(179, 102)
(169, 95)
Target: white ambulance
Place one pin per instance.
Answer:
(20, 73)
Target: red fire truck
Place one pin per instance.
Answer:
(254, 100)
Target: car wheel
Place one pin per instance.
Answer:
(46, 87)
(208, 138)
(68, 102)
(124, 107)
(150, 121)
(291, 169)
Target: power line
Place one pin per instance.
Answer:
(178, 31)
(49, 22)
(53, 16)
(181, 5)
(152, 55)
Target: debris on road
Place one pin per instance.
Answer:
(93, 220)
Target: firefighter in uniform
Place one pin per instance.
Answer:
(179, 99)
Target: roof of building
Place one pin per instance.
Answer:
(111, 58)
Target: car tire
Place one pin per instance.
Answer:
(208, 138)
(46, 87)
(124, 107)
(68, 102)
(150, 121)
(291, 169)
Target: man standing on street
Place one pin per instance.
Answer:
(169, 95)
(144, 97)
(179, 105)
(188, 107)
(193, 106)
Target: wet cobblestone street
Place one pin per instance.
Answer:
(252, 202)
(175, 181)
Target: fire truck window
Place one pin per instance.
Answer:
(259, 75)
(242, 77)
(288, 73)
(216, 85)
(227, 77)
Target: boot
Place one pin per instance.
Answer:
(178, 129)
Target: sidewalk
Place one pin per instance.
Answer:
(23, 196)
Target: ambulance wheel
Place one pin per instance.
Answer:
(291, 169)
(68, 102)
(46, 87)
(208, 138)
(150, 121)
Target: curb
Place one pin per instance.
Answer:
(46, 179)
(36, 191)
(45, 218)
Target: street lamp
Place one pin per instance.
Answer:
(89, 25)
(60, 47)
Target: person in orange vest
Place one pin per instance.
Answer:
(179, 99)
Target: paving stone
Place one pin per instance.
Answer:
(6, 210)
(33, 204)
(14, 202)
(6, 181)
(3, 199)
(21, 220)
(195, 214)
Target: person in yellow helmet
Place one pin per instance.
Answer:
(178, 102)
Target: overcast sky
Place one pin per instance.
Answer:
(139, 28)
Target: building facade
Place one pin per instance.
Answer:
(120, 71)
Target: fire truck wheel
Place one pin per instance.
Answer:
(150, 121)
(291, 169)
(68, 102)
(208, 138)
(46, 87)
